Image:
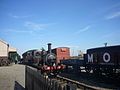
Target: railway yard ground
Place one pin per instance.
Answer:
(98, 81)
(12, 77)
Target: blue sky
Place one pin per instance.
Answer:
(78, 24)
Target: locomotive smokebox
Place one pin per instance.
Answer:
(49, 48)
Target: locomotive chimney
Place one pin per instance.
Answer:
(49, 48)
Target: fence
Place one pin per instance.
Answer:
(35, 81)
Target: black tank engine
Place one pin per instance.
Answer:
(43, 60)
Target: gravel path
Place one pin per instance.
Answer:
(12, 77)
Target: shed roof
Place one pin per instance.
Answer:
(3, 41)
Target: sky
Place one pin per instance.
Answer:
(78, 24)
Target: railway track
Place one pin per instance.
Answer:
(71, 81)
(98, 82)
(73, 85)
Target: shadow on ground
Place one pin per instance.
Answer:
(18, 86)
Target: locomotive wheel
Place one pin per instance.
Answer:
(45, 75)
(97, 71)
(87, 69)
(114, 70)
(110, 72)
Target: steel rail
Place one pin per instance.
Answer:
(79, 85)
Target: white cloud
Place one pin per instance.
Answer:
(31, 28)
(111, 35)
(113, 15)
(107, 35)
(17, 16)
(36, 26)
(18, 31)
(72, 46)
(83, 29)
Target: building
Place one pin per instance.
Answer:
(62, 53)
(6, 50)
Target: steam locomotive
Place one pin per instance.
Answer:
(43, 60)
